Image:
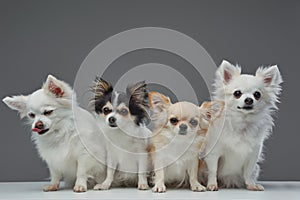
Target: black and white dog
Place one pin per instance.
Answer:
(122, 118)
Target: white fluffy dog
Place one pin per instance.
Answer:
(235, 140)
(63, 132)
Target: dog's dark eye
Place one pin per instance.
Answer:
(48, 112)
(106, 111)
(237, 94)
(257, 95)
(194, 122)
(123, 111)
(31, 115)
(174, 120)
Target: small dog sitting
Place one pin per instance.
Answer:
(123, 117)
(50, 112)
(179, 132)
(246, 122)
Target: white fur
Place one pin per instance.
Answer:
(235, 140)
(63, 147)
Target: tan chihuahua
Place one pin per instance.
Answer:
(178, 136)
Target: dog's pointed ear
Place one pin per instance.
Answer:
(57, 88)
(101, 88)
(139, 102)
(210, 110)
(158, 102)
(17, 103)
(271, 75)
(227, 71)
(138, 93)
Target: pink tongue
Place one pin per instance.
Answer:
(36, 130)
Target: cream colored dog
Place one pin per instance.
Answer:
(179, 132)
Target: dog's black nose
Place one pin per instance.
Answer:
(112, 120)
(248, 101)
(183, 127)
(39, 125)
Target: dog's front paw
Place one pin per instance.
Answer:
(212, 187)
(159, 187)
(49, 188)
(102, 186)
(197, 187)
(143, 186)
(255, 187)
(79, 188)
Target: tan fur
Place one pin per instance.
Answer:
(164, 98)
(168, 142)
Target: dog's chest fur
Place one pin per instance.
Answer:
(176, 156)
(57, 149)
(125, 152)
(63, 147)
(120, 144)
(236, 139)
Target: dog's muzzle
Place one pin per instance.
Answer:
(40, 128)
(112, 122)
(183, 129)
(245, 107)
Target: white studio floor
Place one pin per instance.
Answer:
(33, 190)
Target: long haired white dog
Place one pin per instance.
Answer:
(59, 134)
(244, 125)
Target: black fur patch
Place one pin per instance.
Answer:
(100, 102)
(138, 103)
(141, 115)
(103, 91)
(135, 98)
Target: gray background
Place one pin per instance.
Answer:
(42, 37)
